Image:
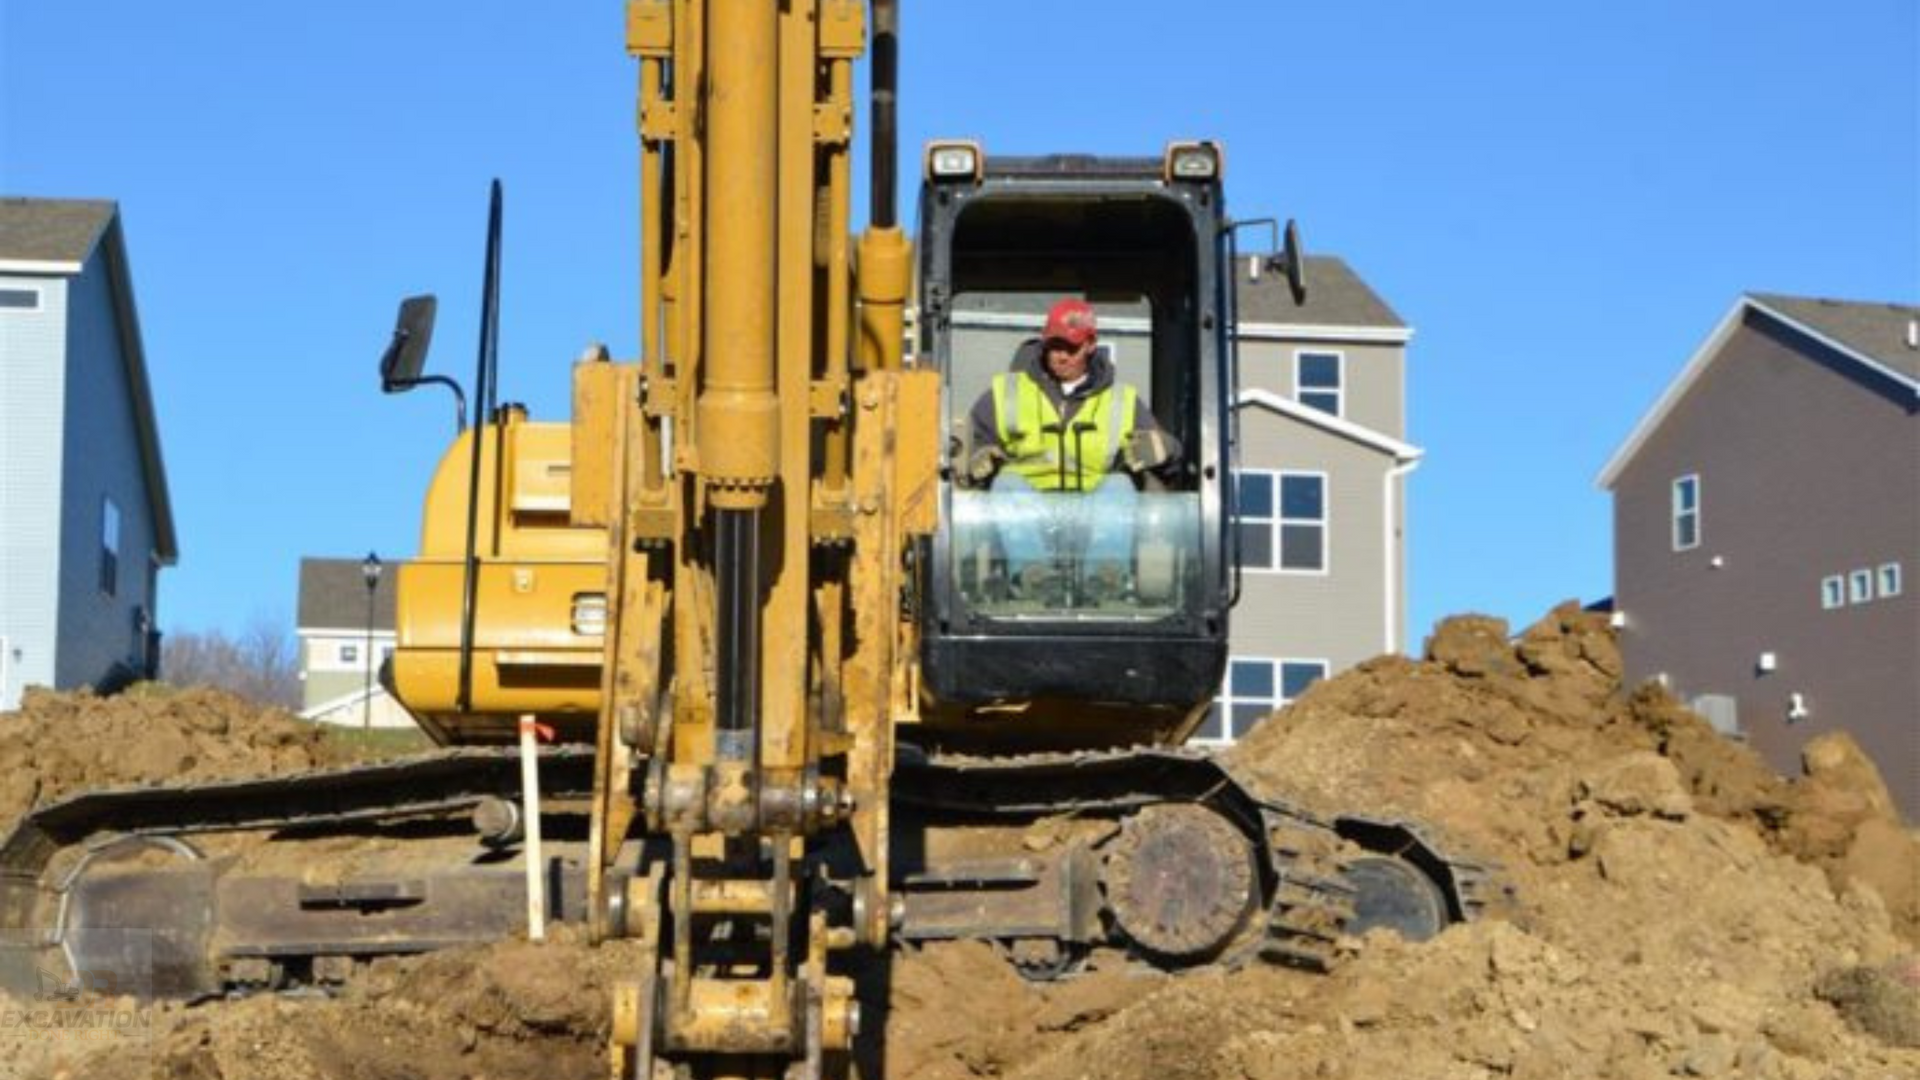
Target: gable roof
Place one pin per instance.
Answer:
(1880, 333)
(50, 236)
(56, 237)
(1328, 422)
(1338, 303)
(1335, 295)
(1875, 336)
(333, 595)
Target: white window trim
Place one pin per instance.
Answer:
(111, 529)
(1859, 585)
(1339, 392)
(323, 650)
(1886, 581)
(1325, 522)
(1271, 521)
(1326, 669)
(1225, 700)
(39, 299)
(1277, 519)
(1833, 592)
(1674, 513)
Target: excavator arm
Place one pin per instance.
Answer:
(759, 473)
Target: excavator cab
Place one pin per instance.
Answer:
(1106, 587)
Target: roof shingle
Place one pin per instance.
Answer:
(1884, 332)
(51, 230)
(1335, 297)
(333, 595)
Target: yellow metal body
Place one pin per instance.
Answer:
(535, 563)
(770, 387)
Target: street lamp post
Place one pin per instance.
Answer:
(369, 571)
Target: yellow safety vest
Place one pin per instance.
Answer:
(1029, 428)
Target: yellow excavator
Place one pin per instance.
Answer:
(798, 697)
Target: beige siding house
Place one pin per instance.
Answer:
(346, 633)
(1320, 492)
(1321, 474)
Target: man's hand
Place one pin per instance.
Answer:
(1147, 450)
(983, 463)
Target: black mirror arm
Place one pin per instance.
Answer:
(395, 386)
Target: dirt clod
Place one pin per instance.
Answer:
(1875, 1000)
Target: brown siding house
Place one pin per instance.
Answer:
(1767, 527)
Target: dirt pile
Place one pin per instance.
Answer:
(510, 1010)
(61, 743)
(1681, 911)
(1525, 748)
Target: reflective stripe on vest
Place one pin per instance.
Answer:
(1060, 460)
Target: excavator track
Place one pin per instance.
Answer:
(422, 784)
(1307, 889)
(1270, 880)
(57, 882)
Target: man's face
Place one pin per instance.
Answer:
(1067, 362)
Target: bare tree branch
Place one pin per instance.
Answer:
(260, 662)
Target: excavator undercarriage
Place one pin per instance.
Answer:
(239, 885)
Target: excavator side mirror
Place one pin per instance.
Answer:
(407, 353)
(1295, 258)
(1290, 259)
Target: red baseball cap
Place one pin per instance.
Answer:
(1070, 321)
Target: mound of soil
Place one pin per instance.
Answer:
(516, 1009)
(1522, 749)
(1680, 910)
(62, 743)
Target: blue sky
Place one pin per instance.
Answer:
(1561, 198)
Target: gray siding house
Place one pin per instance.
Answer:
(345, 629)
(1766, 519)
(1321, 475)
(85, 522)
(1320, 487)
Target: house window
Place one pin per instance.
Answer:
(14, 299)
(1297, 675)
(1833, 592)
(1318, 381)
(1686, 513)
(1859, 586)
(1254, 518)
(109, 546)
(1303, 522)
(1254, 688)
(1281, 520)
(1889, 580)
(350, 654)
